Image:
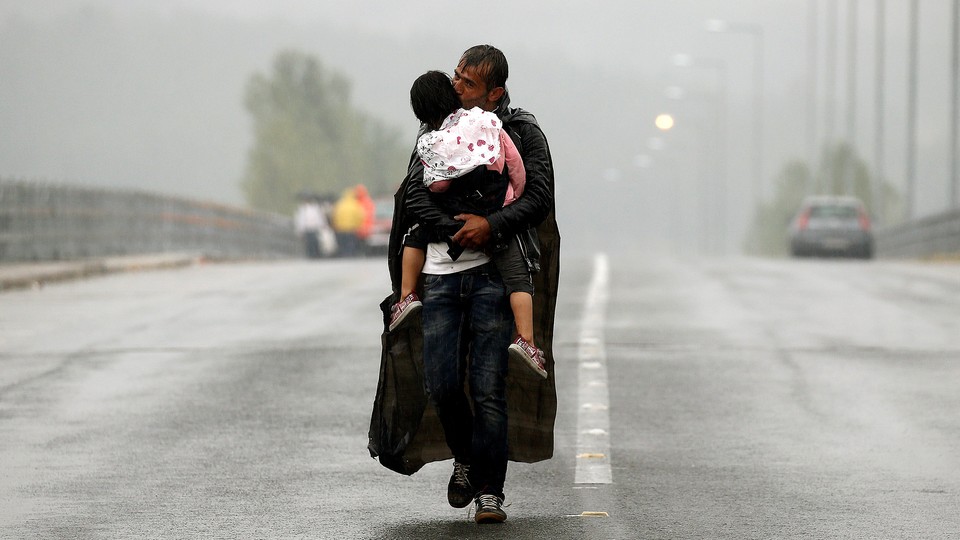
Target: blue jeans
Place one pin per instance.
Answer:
(469, 311)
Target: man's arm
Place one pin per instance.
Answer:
(537, 200)
(421, 205)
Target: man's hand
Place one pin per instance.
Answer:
(475, 231)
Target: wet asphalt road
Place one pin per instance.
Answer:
(747, 399)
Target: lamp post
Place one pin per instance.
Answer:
(756, 31)
(848, 169)
(912, 111)
(954, 105)
(812, 41)
(664, 122)
(691, 140)
(880, 75)
(852, 73)
(720, 68)
(833, 14)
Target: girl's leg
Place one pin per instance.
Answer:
(411, 265)
(522, 305)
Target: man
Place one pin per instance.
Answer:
(466, 319)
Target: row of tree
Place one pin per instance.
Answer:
(308, 137)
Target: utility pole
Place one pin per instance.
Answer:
(955, 105)
(912, 111)
(879, 72)
(849, 170)
(812, 42)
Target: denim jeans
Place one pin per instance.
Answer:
(469, 311)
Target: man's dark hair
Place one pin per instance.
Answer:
(433, 98)
(490, 63)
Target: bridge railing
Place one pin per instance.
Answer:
(931, 236)
(48, 222)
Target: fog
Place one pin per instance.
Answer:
(148, 95)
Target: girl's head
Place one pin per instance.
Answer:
(433, 98)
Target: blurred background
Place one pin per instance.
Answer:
(684, 126)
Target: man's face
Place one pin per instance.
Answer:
(472, 89)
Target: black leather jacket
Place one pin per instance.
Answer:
(404, 434)
(413, 201)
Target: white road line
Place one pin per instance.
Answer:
(593, 417)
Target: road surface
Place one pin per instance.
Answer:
(741, 398)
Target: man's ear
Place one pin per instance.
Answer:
(495, 94)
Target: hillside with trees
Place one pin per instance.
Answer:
(308, 136)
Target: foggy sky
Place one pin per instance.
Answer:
(148, 94)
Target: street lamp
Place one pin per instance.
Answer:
(954, 106)
(912, 110)
(879, 198)
(664, 122)
(756, 31)
(671, 177)
(720, 67)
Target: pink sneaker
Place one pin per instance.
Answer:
(402, 310)
(521, 349)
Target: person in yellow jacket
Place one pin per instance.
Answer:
(348, 218)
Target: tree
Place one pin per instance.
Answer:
(841, 171)
(308, 137)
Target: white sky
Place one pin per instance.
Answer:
(620, 40)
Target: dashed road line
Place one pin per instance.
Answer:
(593, 417)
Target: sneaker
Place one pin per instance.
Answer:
(459, 490)
(521, 349)
(489, 509)
(402, 310)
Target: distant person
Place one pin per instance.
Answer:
(328, 239)
(369, 214)
(461, 140)
(308, 221)
(348, 218)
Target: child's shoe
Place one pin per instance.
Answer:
(403, 310)
(521, 349)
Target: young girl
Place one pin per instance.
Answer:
(460, 141)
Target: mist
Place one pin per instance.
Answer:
(147, 95)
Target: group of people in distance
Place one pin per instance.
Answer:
(329, 226)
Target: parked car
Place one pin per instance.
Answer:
(378, 241)
(831, 226)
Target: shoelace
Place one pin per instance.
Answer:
(486, 500)
(460, 472)
(489, 500)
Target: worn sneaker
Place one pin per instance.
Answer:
(459, 490)
(489, 509)
(521, 349)
(402, 310)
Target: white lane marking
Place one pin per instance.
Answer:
(593, 418)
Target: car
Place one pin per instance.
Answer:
(836, 226)
(379, 238)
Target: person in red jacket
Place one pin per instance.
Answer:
(369, 211)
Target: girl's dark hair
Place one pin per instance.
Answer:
(433, 98)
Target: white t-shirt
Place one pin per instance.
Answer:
(439, 263)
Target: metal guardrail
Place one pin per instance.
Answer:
(54, 222)
(49, 222)
(928, 237)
